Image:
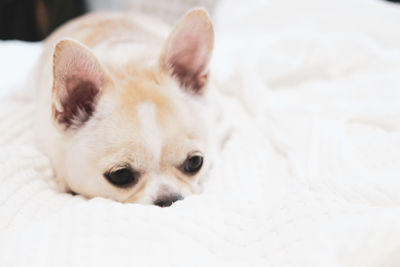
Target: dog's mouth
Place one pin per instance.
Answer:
(162, 201)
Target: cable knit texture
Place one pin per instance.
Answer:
(309, 176)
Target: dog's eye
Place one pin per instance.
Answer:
(193, 164)
(122, 177)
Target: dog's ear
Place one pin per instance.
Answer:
(187, 51)
(78, 80)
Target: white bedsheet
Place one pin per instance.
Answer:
(309, 177)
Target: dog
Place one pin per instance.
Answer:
(124, 109)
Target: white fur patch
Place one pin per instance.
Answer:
(150, 130)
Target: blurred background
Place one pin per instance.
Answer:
(33, 20)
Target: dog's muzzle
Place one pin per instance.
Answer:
(166, 201)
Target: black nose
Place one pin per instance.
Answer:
(166, 201)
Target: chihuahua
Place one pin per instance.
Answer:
(124, 108)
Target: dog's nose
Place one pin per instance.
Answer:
(166, 201)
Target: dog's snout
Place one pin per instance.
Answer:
(166, 201)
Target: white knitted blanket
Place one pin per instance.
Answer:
(309, 177)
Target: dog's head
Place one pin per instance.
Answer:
(140, 137)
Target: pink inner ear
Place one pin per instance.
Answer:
(78, 78)
(78, 106)
(188, 49)
(188, 52)
(74, 61)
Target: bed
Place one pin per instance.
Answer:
(310, 174)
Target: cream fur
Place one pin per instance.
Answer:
(142, 115)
